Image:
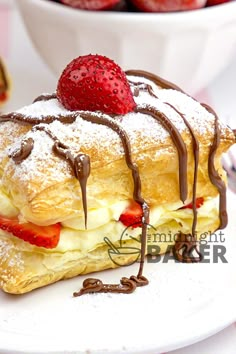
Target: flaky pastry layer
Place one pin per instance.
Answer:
(24, 267)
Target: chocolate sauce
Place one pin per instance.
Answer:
(154, 78)
(81, 168)
(185, 249)
(178, 141)
(23, 152)
(92, 285)
(24, 120)
(187, 243)
(110, 123)
(80, 165)
(142, 86)
(45, 97)
(213, 174)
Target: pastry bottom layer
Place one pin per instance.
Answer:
(24, 267)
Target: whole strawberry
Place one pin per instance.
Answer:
(95, 83)
(168, 5)
(91, 4)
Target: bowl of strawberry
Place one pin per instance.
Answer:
(188, 42)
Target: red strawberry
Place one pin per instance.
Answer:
(41, 236)
(199, 203)
(132, 215)
(216, 2)
(91, 4)
(95, 83)
(168, 5)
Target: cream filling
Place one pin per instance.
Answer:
(103, 222)
(6, 206)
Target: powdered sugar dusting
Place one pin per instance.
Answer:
(101, 143)
(44, 108)
(10, 261)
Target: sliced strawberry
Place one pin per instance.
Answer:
(41, 236)
(199, 203)
(168, 5)
(91, 4)
(132, 215)
(95, 83)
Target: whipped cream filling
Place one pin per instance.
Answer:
(7, 208)
(103, 222)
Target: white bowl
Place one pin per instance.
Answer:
(189, 48)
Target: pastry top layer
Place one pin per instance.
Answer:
(43, 184)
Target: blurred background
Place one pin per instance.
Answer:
(30, 76)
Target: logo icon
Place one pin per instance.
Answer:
(129, 249)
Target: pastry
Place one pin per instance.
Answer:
(4, 84)
(102, 168)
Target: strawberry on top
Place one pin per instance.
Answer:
(95, 83)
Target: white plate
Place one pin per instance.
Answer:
(183, 304)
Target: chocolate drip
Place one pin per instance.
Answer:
(22, 119)
(92, 285)
(80, 165)
(213, 174)
(184, 249)
(178, 141)
(154, 78)
(189, 243)
(142, 86)
(23, 152)
(110, 123)
(126, 286)
(4, 79)
(81, 168)
(45, 97)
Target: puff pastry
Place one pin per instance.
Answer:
(40, 187)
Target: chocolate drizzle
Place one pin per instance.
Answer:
(80, 165)
(178, 141)
(215, 179)
(126, 286)
(185, 249)
(107, 121)
(23, 152)
(185, 245)
(24, 120)
(213, 174)
(45, 97)
(142, 86)
(154, 78)
(92, 285)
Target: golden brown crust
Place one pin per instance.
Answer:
(43, 199)
(23, 269)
